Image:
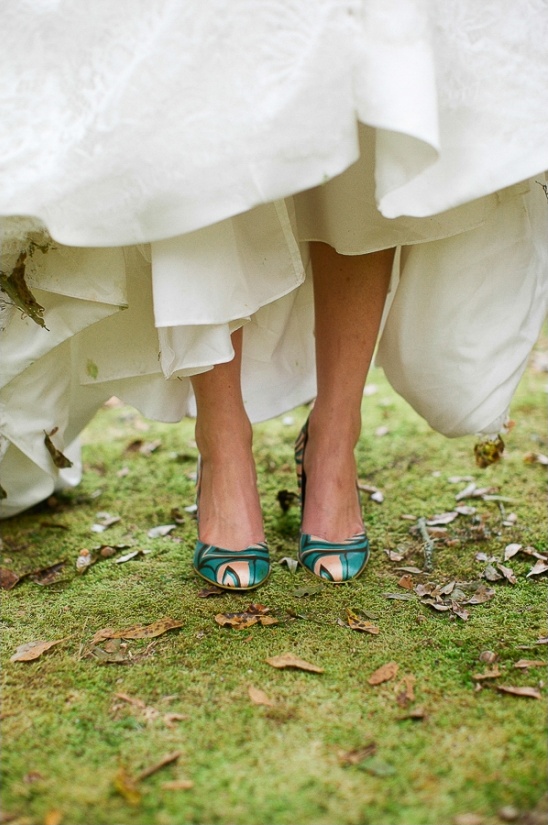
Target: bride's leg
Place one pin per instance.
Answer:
(349, 296)
(230, 511)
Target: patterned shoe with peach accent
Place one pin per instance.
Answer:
(334, 562)
(232, 569)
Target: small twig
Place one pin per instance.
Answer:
(171, 757)
(428, 546)
(80, 649)
(500, 505)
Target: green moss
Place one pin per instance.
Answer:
(473, 751)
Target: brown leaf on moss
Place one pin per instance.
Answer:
(405, 693)
(126, 786)
(178, 785)
(241, 621)
(494, 673)
(523, 663)
(290, 660)
(406, 581)
(528, 692)
(8, 579)
(15, 286)
(45, 576)
(53, 817)
(57, 456)
(259, 609)
(540, 567)
(255, 614)
(238, 621)
(32, 650)
(169, 718)
(137, 631)
(468, 819)
(483, 594)
(207, 592)
(357, 622)
(259, 697)
(508, 573)
(441, 519)
(357, 755)
(384, 673)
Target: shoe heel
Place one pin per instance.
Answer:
(333, 562)
(229, 569)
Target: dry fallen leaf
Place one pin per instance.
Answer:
(483, 594)
(127, 787)
(393, 555)
(405, 693)
(540, 567)
(137, 631)
(406, 581)
(384, 673)
(131, 700)
(15, 286)
(53, 817)
(356, 622)
(207, 592)
(259, 697)
(32, 650)
(291, 564)
(45, 576)
(57, 456)
(104, 521)
(468, 819)
(442, 518)
(536, 458)
(530, 663)
(354, 757)
(8, 578)
(529, 692)
(178, 785)
(290, 660)
(508, 573)
(241, 621)
(169, 718)
(160, 531)
(131, 555)
(494, 673)
(402, 597)
(511, 550)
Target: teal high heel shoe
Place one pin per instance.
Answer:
(334, 562)
(230, 569)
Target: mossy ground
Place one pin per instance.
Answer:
(66, 734)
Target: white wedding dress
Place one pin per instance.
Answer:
(164, 162)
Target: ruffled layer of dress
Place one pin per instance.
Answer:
(148, 154)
